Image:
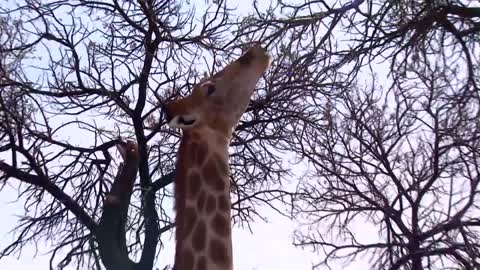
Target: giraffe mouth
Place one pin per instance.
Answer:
(183, 121)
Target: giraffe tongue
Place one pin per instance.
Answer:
(186, 122)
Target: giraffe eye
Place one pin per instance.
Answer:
(210, 89)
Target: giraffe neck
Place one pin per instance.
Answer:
(202, 202)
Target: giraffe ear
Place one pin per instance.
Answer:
(209, 87)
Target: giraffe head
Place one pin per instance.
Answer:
(219, 101)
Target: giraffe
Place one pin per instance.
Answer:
(207, 118)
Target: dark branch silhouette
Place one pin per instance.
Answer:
(379, 99)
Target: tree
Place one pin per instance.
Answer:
(399, 152)
(100, 71)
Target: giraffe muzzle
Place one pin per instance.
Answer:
(184, 121)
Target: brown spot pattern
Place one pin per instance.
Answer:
(199, 153)
(223, 203)
(218, 252)
(213, 177)
(194, 181)
(187, 259)
(200, 236)
(211, 204)
(201, 200)
(221, 225)
(201, 263)
(190, 219)
(222, 164)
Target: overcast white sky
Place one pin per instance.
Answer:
(268, 247)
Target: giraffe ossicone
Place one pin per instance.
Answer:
(207, 118)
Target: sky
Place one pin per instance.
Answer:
(268, 246)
